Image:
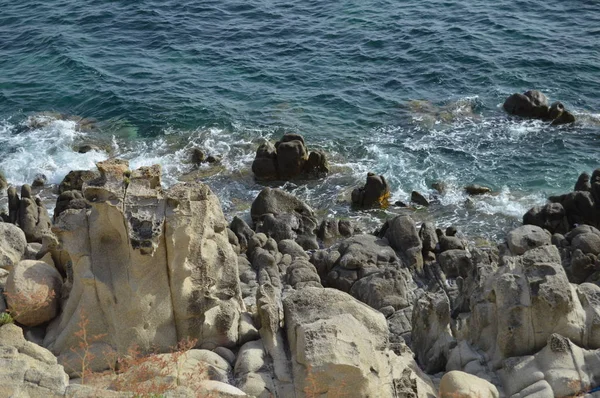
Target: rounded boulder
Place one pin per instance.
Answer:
(527, 237)
(32, 292)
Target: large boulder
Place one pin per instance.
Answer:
(145, 267)
(288, 159)
(527, 237)
(12, 245)
(375, 193)
(456, 384)
(516, 308)
(340, 346)
(532, 103)
(32, 291)
(402, 234)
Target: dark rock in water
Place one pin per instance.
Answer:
(451, 231)
(565, 118)
(197, 156)
(530, 104)
(213, 159)
(70, 200)
(87, 148)
(419, 199)
(439, 186)
(399, 203)
(264, 166)
(556, 109)
(281, 215)
(317, 163)
(291, 157)
(583, 183)
(288, 159)
(475, 189)
(375, 193)
(39, 181)
(75, 179)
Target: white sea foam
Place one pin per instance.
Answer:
(46, 148)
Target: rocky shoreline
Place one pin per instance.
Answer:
(135, 290)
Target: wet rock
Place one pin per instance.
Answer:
(565, 118)
(556, 109)
(197, 156)
(530, 104)
(39, 181)
(288, 159)
(419, 199)
(213, 159)
(583, 183)
(475, 189)
(399, 203)
(85, 148)
(440, 187)
(375, 193)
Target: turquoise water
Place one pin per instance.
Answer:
(407, 89)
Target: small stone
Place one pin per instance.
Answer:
(212, 159)
(85, 148)
(39, 181)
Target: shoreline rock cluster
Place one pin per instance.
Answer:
(285, 304)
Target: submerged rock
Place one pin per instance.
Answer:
(475, 189)
(534, 104)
